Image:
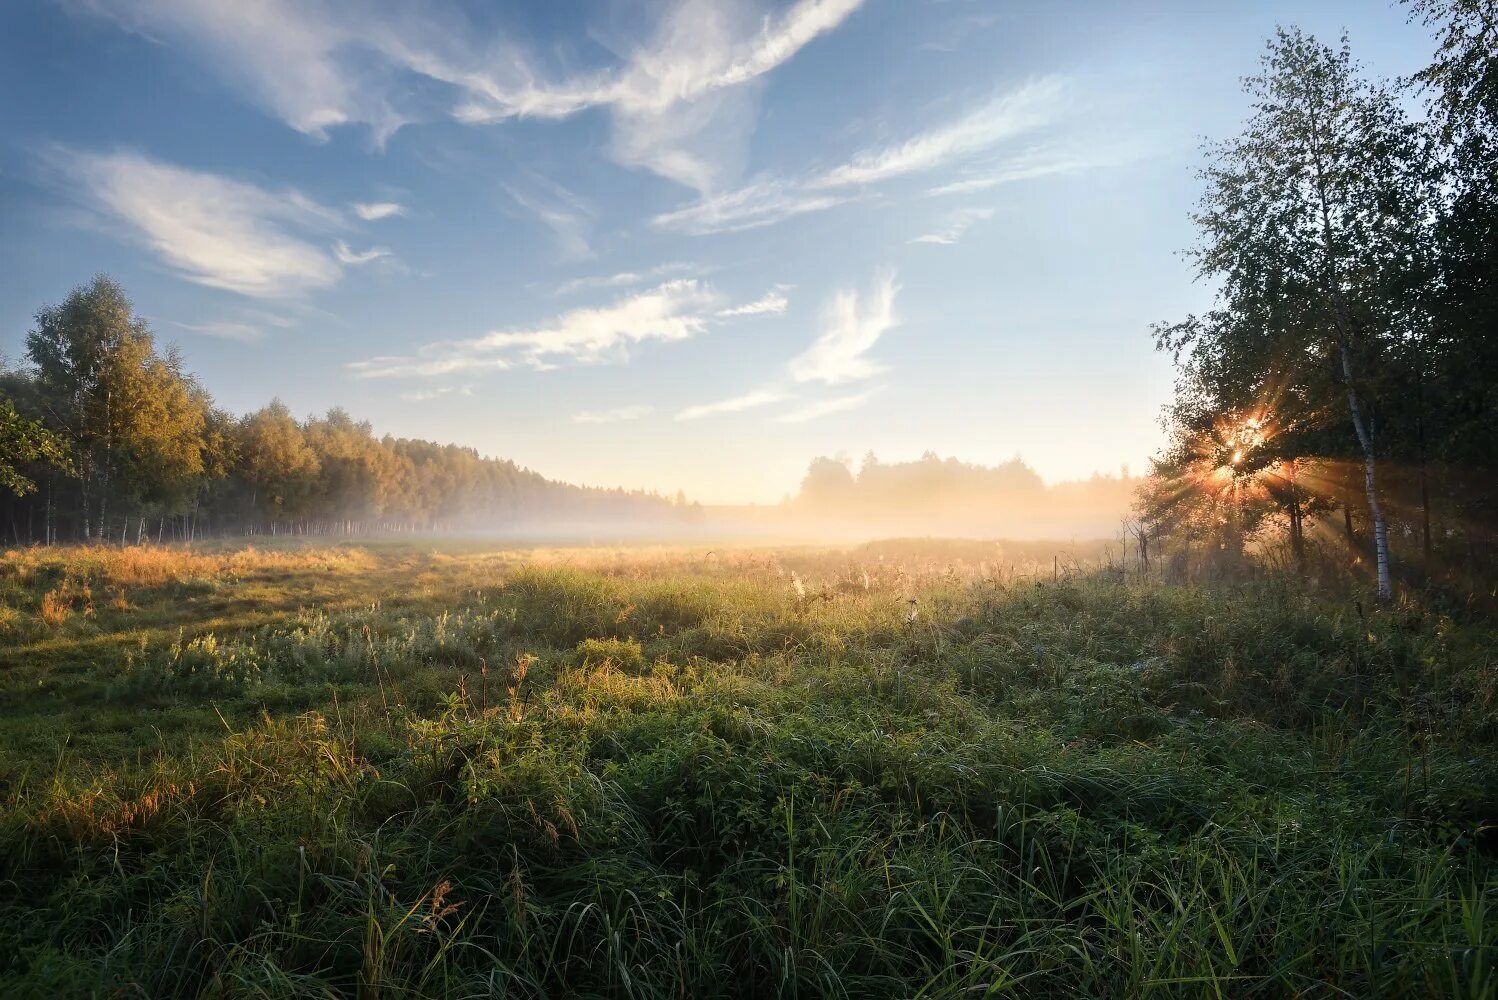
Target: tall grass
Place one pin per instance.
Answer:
(678, 776)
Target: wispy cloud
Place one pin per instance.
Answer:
(225, 330)
(436, 392)
(628, 279)
(316, 67)
(1039, 161)
(1025, 109)
(210, 229)
(673, 311)
(957, 226)
(680, 103)
(374, 211)
(245, 325)
(762, 202)
(346, 255)
(748, 401)
(826, 407)
(564, 213)
(770, 199)
(702, 144)
(692, 54)
(953, 34)
(851, 325)
(774, 301)
(614, 416)
(299, 59)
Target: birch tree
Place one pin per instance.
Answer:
(1314, 209)
(129, 415)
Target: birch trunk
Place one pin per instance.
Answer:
(1342, 317)
(1370, 479)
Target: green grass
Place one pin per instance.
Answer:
(395, 771)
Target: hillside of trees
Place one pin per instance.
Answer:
(1340, 401)
(104, 436)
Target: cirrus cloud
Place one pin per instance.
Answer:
(672, 311)
(212, 230)
(614, 416)
(769, 199)
(748, 401)
(957, 226)
(348, 255)
(826, 407)
(851, 325)
(374, 211)
(772, 303)
(677, 97)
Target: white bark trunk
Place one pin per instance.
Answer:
(1370, 481)
(1343, 319)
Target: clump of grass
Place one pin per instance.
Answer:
(60, 603)
(625, 654)
(56, 608)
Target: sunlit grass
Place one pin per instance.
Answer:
(448, 771)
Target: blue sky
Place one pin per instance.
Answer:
(669, 244)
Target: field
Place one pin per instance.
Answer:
(905, 769)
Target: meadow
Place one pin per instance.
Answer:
(906, 769)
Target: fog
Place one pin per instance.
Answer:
(836, 503)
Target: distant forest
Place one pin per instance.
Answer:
(106, 437)
(945, 496)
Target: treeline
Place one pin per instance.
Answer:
(1345, 385)
(104, 436)
(944, 496)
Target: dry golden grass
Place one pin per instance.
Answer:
(56, 608)
(59, 604)
(158, 566)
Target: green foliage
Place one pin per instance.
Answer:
(25, 441)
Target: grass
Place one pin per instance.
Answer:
(393, 771)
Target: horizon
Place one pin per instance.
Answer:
(553, 238)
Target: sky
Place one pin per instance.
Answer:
(659, 244)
